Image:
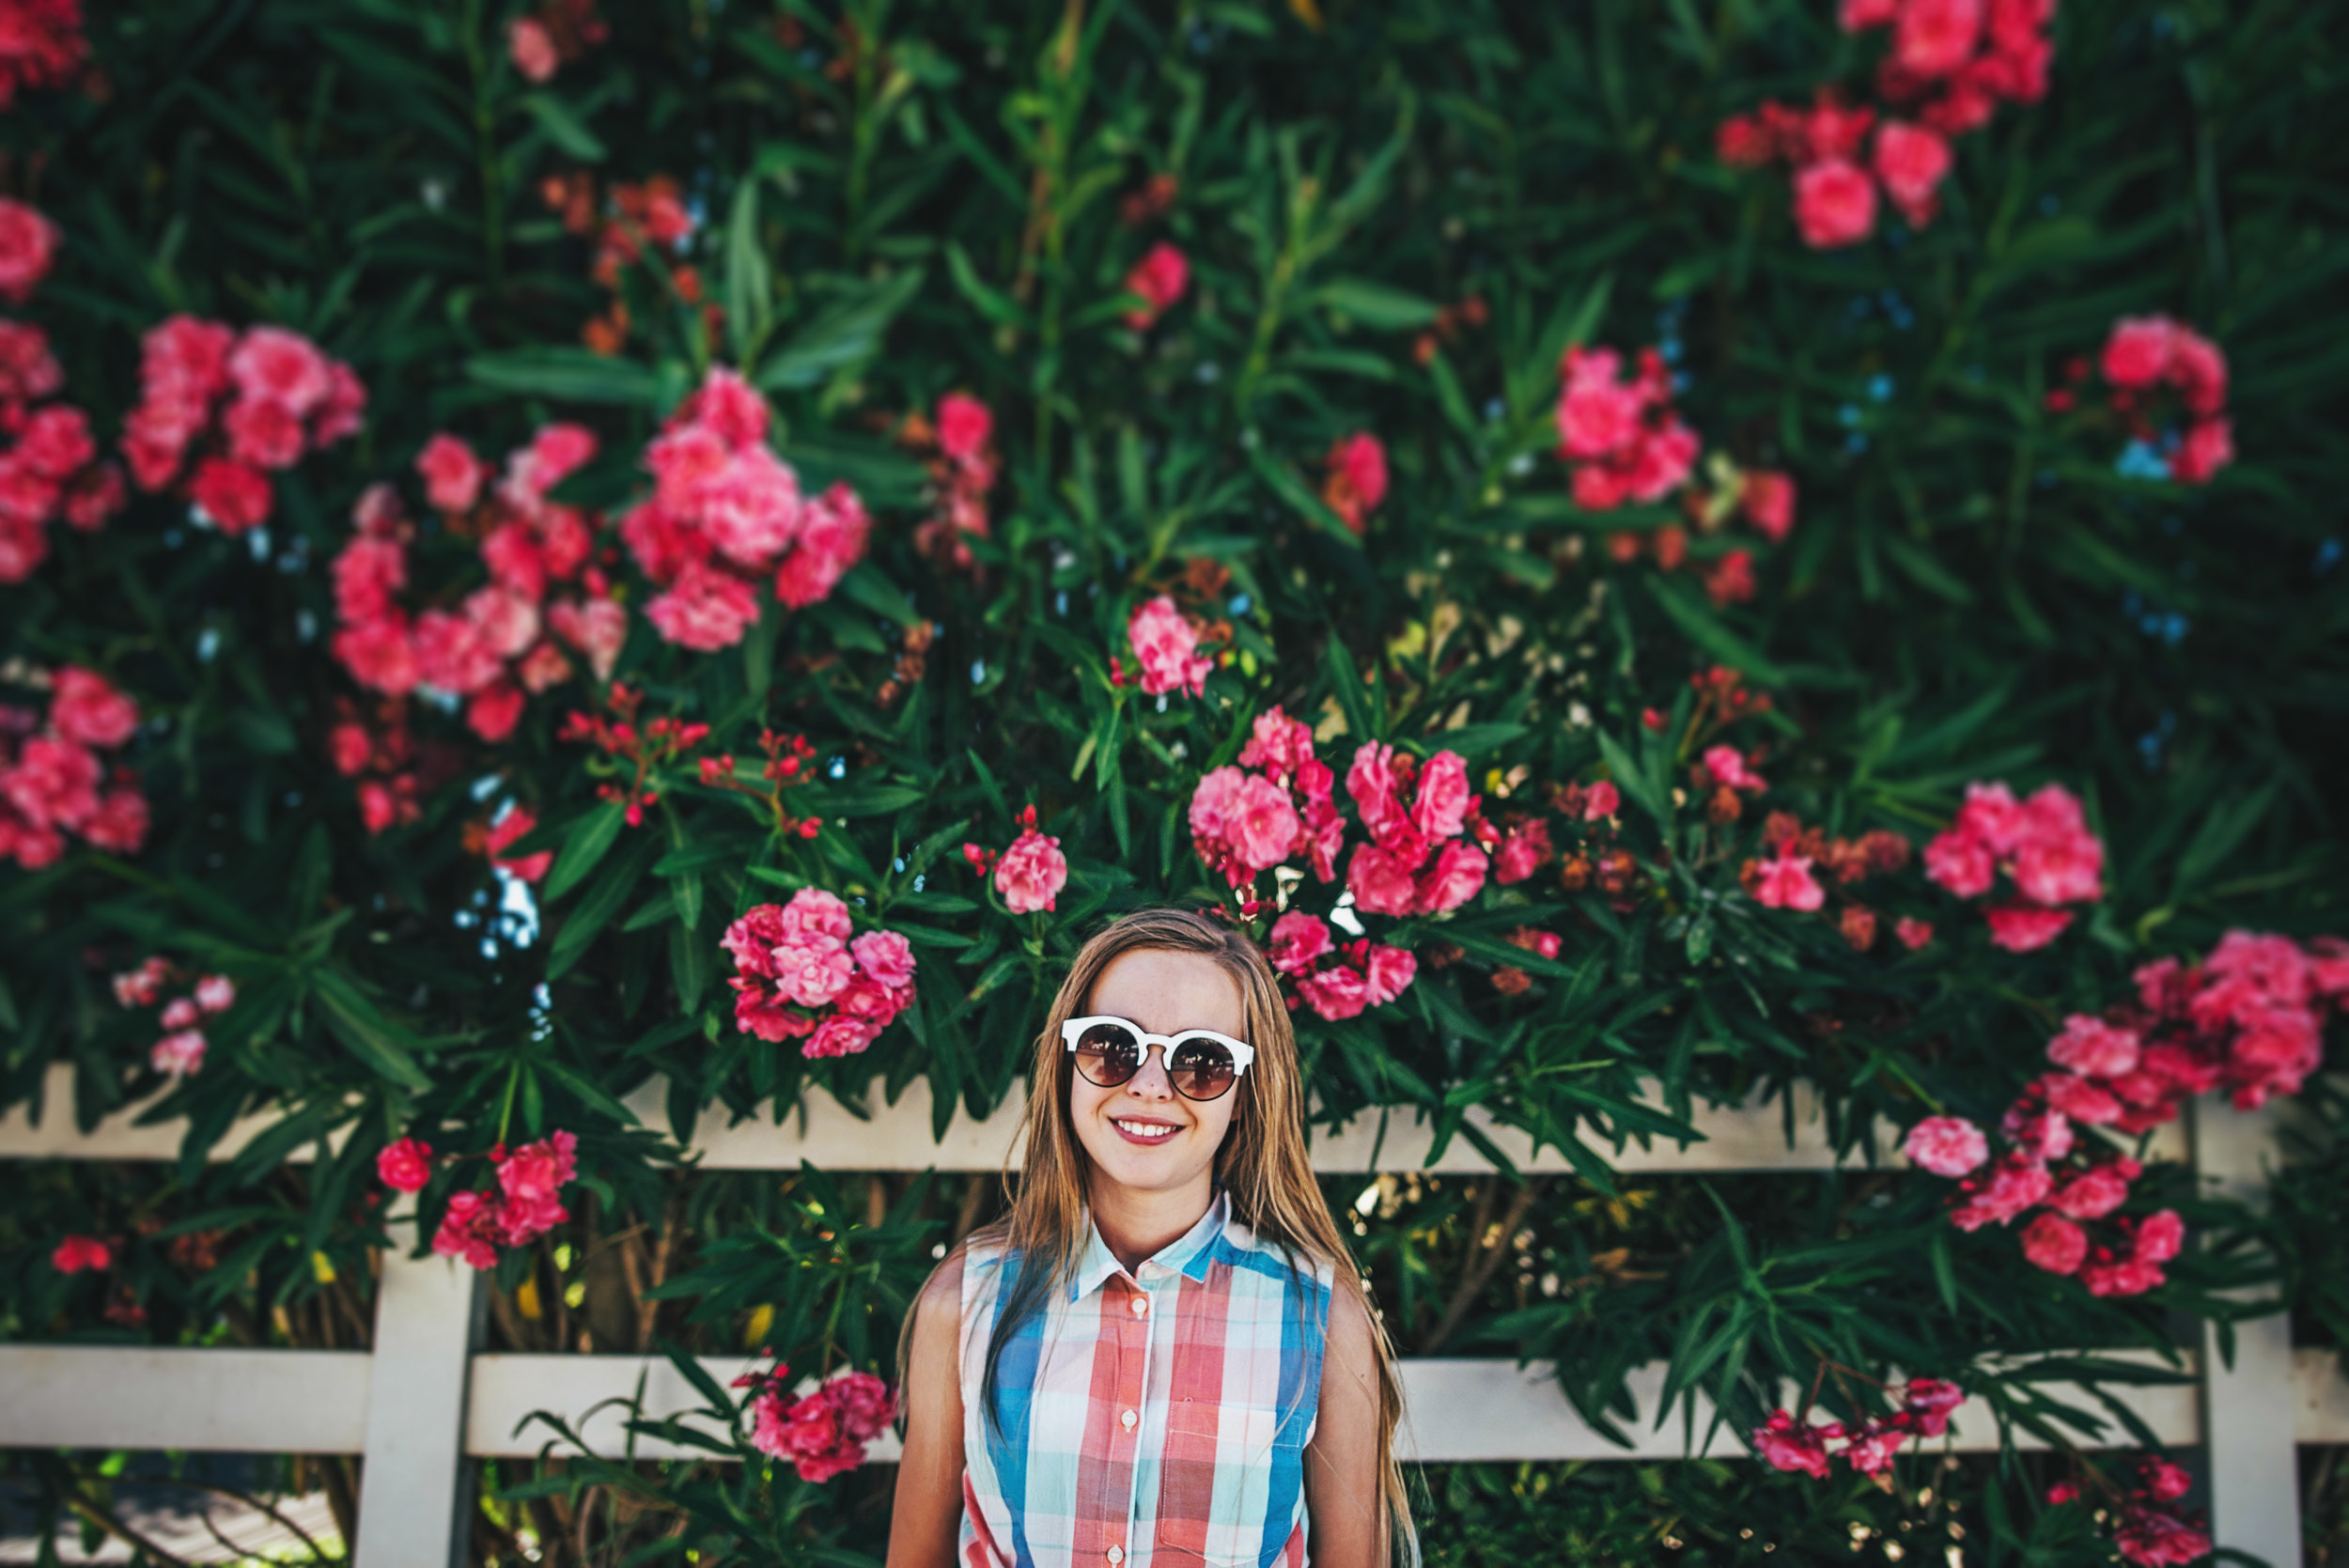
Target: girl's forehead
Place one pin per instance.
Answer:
(1164, 991)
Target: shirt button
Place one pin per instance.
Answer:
(1142, 1306)
(1129, 1419)
(1117, 1554)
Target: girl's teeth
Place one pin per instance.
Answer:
(1144, 1129)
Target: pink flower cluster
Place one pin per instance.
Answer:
(1166, 648)
(513, 636)
(78, 1254)
(391, 770)
(962, 465)
(1420, 859)
(52, 782)
(2149, 1531)
(1952, 62)
(524, 1205)
(404, 1165)
(821, 1434)
(1030, 874)
(1623, 439)
(219, 410)
(2249, 1019)
(560, 32)
(2146, 354)
(40, 46)
(1356, 483)
(726, 514)
(1336, 982)
(2043, 846)
(1161, 277)
(801, 974)
(181, 1051)
(513, 824)
(1788, 1442)
(51, 467)
(1243, 822)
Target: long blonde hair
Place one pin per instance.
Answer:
(1262, 1164)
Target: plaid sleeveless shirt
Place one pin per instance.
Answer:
(1151, 1420)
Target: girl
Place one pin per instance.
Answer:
(1162, 1354)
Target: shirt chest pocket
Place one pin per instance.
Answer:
(1230, 1484)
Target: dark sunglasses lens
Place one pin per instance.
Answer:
(1108, 1055)
(1202, 1069)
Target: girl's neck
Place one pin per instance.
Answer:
(1138, 1224)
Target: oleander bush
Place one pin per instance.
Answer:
(572, 572)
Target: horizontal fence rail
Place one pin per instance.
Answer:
(826, 1134)
(319, 1401)
(426, 1402)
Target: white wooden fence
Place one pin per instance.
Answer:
(423, 1401)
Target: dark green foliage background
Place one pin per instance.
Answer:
(1972, 591)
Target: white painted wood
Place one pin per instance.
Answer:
(413, 1501)
(2321, 1412)
(218, 1401)
(2249, 1405)
(1459, 1411)
(896, 1137)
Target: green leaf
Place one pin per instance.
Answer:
(565, 129)
(568, 375)
(590, 836)
(369, 1036)
(1693, 617)
(845, 334)
(1374, 304)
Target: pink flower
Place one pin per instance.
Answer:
(1357, 480)
(1929, 1402)
(2199, 370)
(536, 1171)
(751, 509)
(1601, 801)
(180, 1014)
(597, 628)
(54, 441)
(1031, 873)
(832, 532)
(2208, 447)
(452, 654)
(823, 1434)
(1334, 993)
(2015, 1184)
(532, 49)
(2151, 1539)
(54, 783)
(1767, 499)
(233, 498)
(1934, 38)
(2159, 1237)
(28, 371)
(86, 708)
(1452, 880)
(1913, 934)
(885, 956)
(2137, 353)
(405, 1166)
(215, 993)
(1525, 850)
(470, 1229)
(1377, 794)
(1598, 415)
(810, 966)
(1299, 941)
(965, 426)
(1727, 764)
(1381, 884)
(2129, 1277)
(380, 655)
(1946, 1145)
(1166, 646)
(2024, 928)
(271, 364)
(1263, 824)
(1786, 883)
(841, 1035)
(1857, 15)
(28, 241)
(1912, 162)
(1835, 204)
(513, 824)
(179, 1054)
(1387, 973)
(119, 824)
(263, 435)
(2090, 1046)
(76, 1254)
(704, 610)
(1444, 801)
(2078, 1099)
(1787, 1444)
(2055, 1243)
(1160, 278)
(2090, 1195)
(453, 475)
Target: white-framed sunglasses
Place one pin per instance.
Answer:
(1200, 1063)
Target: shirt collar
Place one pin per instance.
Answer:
(1187, 1254)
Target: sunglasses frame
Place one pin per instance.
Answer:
(1243, 1054)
